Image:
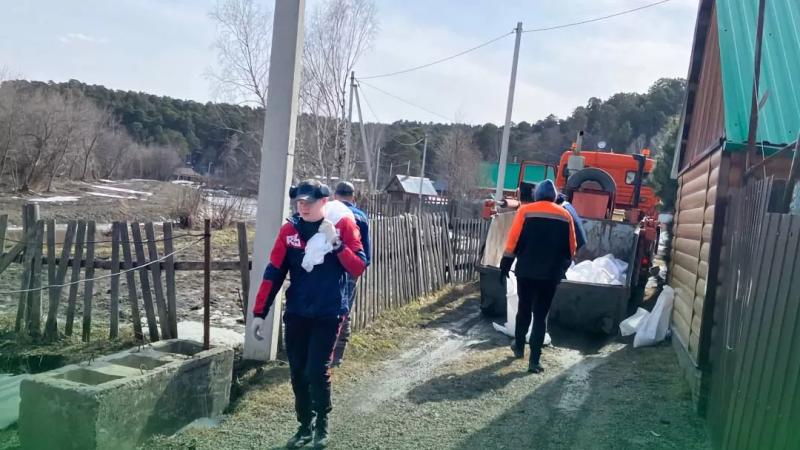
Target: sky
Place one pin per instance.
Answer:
(164, 47)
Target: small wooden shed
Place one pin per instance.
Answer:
(713, 157)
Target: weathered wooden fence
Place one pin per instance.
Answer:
(413, 256)
(754, 400)
(385, 205)
(130, 254)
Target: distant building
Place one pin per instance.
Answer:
(403, 187)
(186, 174)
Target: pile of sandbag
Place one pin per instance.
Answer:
(603, 270)
(650, 327)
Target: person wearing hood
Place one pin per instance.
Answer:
(580, 235)
(542, 240)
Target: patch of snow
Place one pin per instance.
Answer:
(57, 199)
(219, 336)
(127, 191)
(105, 181)
(183, 182)
(101, 194)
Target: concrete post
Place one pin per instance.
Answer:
(277, 160)
(501, 168)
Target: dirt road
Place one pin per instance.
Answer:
(449, 383)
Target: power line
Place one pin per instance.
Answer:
(439, 61)
(372, 111)
(596, 19)
(409, 144)
(406, 101)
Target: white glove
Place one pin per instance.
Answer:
(329, 230)
(256, 325)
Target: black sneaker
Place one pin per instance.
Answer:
(535, 367)
(321, 432)
(301, 438)
(518, 352)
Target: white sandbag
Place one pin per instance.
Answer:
(629, 326)
(603, 270)
(336, 210)
(317, 247)
(653, 328)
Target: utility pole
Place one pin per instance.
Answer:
(367, 160)
(347, 130)
(408, 168)
(501, 168)
(277, 161)
(422, 170)
(377, 171)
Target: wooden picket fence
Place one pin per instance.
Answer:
(139, 252)
(413, 256)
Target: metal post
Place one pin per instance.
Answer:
(277, 160)
(363, 138)
(422, 170)
(207, 284)
(347, 129)
(501, 168)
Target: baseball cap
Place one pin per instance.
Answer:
(309, 190)
(345, 189)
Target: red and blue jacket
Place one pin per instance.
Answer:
(323, 292)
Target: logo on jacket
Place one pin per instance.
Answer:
(294, 241)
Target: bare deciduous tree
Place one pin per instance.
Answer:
(457, 160)
(338, 34)
(242, 45)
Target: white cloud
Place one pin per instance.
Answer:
(80, 37)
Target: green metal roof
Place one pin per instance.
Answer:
(487, 176)
(779, 119)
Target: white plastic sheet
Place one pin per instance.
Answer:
(317, 247)
(603, 270)
(653, 328)
(629, 326)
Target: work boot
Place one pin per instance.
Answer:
(535, 367)
(301, 438)
(518, 352)
(321, 432)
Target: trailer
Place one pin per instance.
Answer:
(577, 305)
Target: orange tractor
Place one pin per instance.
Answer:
(619, 215)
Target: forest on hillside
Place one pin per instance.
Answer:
(143, 130)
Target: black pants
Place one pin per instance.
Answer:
(309, 347)
(535, 296)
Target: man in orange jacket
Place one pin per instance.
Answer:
(542, 240)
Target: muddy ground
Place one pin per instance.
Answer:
(101, 201)
(436, 375)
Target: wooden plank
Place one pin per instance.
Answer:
(708, 231)
(158, 287)
(697, 307)
(76, 274)
(684, 276)
(22, 304)
(34, 308)
(13, 254)
(169, 267)
(130, 278)
(693, 185)
(705, 251)
(51, 326)
(147, 297)
(3, 227)
(418, 252)
(694, 215)
(687, 246)
(708, 216)
(114, 306)
(688, 262)
(88, 288)
(692, 231)
(681, 328)
(244, 266)
(694, 200)
(51, 250)
(683, 309)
